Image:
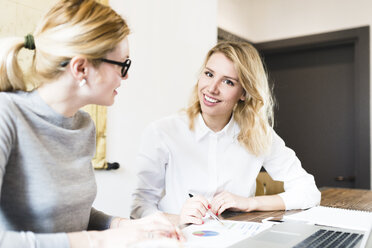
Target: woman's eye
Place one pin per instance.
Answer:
(228, 82)
(208, 74)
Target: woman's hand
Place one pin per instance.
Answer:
(194, 210)
(128, 232)
(226, 200)
(153, 226)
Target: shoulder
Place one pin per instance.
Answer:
(279, 148)
(170, 127)
(20, 100)
(170, 124)
(83, 115)
(84, 120)
(8, 114)
(7, 104)
(276, 139)
(5, 98)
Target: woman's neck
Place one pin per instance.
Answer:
(61, 97)
(216, 123)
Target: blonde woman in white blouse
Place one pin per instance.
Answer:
(217, 148)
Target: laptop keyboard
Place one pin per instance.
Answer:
(330, 239)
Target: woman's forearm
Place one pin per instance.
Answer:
(91, 239)
(117, 221)
(265, 203)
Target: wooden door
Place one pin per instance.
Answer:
(322, 113)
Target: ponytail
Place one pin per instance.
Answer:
(11, 75)
(70, 28)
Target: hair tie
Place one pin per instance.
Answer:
(29, 42)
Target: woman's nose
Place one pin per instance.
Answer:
(213, 87)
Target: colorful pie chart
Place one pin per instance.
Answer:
(205, 233)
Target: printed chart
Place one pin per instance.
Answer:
(205, 233)
(214, 234)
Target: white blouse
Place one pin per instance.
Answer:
(174, 161)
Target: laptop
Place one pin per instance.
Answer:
(298, 234)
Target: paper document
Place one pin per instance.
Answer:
(336, 217)
(213, 234)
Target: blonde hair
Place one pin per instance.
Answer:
(254, 115)
(70, 28)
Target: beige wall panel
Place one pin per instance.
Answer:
(8, 19)
(27, 19)
(20, 17)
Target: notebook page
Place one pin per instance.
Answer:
(336, 217)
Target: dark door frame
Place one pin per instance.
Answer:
(359, 38)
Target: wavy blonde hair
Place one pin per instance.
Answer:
(70, 28)
(254, 115)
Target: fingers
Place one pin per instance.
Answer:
(180, 235)
(222, 201)
(218, 207)
(192, 215)
(217, 202)
(148, 228)
(188, 219)
(159, 223)
(201, 200)
(159, 234)
(223, 207)
(194, 210)
(173, 233)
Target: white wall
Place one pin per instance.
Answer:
(167, 46)
(267, 20)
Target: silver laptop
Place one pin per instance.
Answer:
(300, 235)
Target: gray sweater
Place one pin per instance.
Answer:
(47, 183)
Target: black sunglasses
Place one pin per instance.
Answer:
(124, 65)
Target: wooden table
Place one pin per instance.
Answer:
(358, 199)
(331, 197)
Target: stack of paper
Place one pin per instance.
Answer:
(336, 217)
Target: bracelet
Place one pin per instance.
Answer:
(89, 239)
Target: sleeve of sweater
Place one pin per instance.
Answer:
(99, 220)
(32, 240)
(12, 238)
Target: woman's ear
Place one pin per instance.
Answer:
(242, 98)
(79, 67)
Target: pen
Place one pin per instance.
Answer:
(272, 219)
(210, 213)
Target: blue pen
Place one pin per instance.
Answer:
(210, 213)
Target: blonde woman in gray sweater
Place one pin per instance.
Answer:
(46, 143)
